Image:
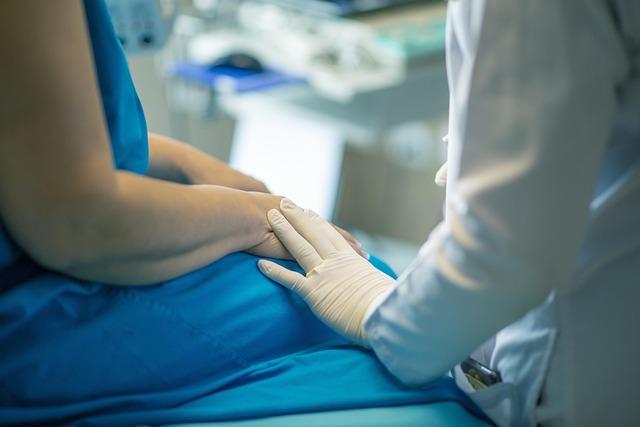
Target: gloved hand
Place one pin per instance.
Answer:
(441, 175)
(340, 286)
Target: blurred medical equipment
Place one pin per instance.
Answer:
(143, 25)
(339, 56)
(342, 7)
(320, 76)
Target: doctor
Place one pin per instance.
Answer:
(537, 264)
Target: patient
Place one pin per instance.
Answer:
(124, 295)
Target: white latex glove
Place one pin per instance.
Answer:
(340, 286)
(441, 175)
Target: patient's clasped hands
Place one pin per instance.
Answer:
(341, 287)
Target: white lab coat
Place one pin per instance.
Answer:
(541, 241)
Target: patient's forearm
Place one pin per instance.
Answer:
(143, 272)
(149, 230)
(173, 160)
(168, 158)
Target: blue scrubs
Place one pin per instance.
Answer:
(220, 343)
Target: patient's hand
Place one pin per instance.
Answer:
(270, 245)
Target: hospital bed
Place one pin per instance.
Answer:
(439, 414)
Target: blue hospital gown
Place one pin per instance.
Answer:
(220, 343)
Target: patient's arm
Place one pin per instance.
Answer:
(173, 160)
(60, 197)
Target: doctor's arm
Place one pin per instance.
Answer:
(535, 104)
(61, 198)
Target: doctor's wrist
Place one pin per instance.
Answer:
(371, 309)
(373, 306)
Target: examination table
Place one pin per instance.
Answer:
(441, 414)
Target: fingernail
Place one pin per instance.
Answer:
(263, 266)
(273, 215)
(287, 204)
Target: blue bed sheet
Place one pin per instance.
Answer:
(439, 414)
(222, 343)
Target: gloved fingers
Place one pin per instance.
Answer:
(298, 247)
(341, 239)
(283, 276)
(441, 175)
(309, 225)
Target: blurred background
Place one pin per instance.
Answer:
(339, 105)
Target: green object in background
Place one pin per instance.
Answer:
(415, 40)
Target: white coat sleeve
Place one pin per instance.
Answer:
(533, 87)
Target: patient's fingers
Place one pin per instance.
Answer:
(302, 251)
(310, 226)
